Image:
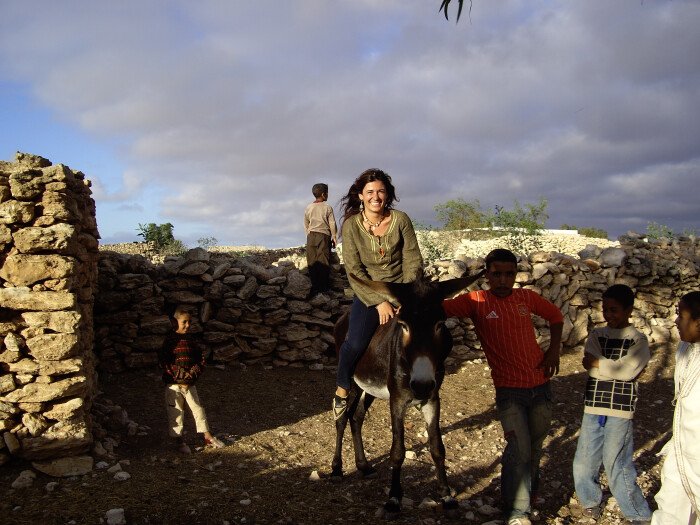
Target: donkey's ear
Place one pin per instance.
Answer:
(451, 287)
(392, 292)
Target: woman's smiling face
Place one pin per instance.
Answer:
(374, 196)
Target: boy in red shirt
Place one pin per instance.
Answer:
(520, 370)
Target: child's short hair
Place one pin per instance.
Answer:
(691, 301)
(621, 293)
(181, 310)
(500, 255)
(319, 189)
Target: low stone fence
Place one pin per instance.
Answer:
(250, 313)
(242, 311)
(48, 277)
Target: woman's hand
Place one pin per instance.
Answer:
(386, 312)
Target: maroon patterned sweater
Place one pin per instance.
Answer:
(181, 359)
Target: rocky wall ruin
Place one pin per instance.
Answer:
(48, 277)
(250, 313)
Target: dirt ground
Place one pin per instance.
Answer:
(278, 429)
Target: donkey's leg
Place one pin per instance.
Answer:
(356, 421)
(431, 414)
(396, 456)
(340, 424)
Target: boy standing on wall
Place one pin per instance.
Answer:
(520, 371)
(320, 227)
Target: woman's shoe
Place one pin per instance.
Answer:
(340, 405)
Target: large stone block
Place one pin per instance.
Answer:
(40, 392)
(59, 238)
(22, 298)
(47, 368)
(61, 322)
(16, 212)
(25, 270)
(65, 467)
(53, 347)
(63, 439)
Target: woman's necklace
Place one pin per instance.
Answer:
(372, 225)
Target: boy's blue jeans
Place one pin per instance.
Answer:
(607, 440)
(526, 417)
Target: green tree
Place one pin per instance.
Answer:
(458, 214)
(159, 234)
(521, 227)
(529, 219)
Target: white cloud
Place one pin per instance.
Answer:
(230, 111)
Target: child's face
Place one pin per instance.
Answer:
(183, 323)
(501, 278)
(616, 315)
(688, 328)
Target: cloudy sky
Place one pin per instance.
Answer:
(219, 116)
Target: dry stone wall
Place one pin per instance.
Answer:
(48, 277)
(660, 272)
(243, 311)
(248, 312)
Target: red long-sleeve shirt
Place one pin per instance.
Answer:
(506, 332)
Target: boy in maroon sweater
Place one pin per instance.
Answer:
(182, 363)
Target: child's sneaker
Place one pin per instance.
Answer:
(182, 447)
(591, 513)
(214, 442)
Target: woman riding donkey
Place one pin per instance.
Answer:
(379, 244)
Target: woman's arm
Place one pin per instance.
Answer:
(412, 260)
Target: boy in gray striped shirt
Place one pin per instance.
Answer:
(615, 356)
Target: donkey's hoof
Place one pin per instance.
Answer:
(450, 507)
(368, 472)
(336, 474)
(392, 508)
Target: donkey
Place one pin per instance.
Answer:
(403, 363)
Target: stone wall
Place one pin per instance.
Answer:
(243, 311)
(248, 312)
(659, 271)
(48, 276)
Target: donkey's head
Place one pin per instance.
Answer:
(420, 333)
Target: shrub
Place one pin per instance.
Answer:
(658, 231)
(521, 226)
(596, 233)
(158, 234)
(207, 242)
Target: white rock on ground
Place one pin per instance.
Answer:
(115, 517)
(24, 480)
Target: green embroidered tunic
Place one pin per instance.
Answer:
(393, 257)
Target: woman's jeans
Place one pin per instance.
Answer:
(362, 324)
(526, 417)
(607, 440)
